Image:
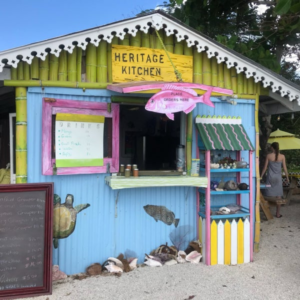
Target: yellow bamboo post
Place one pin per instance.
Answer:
(214, 72)
(178, 48)
(63, 66)
(221, 67)
(26, 71)
(187, 50)
(48, 83)
(255, 87)
(13, 73)
(145, 40)
(21, 135)
(44, 68)
(197, 66)
(251, 86)
(206, 69)
(72, 65)
(240, 82)
(257, 202)
(227, 78)
(245, 86)
(102, 62)
(109, 58)
(152, 40)
(78, 64)
(35, 71)
(169, 42)
(125, 41)
(91, 63)
(233, 79)
(20, 71)
(136, 41)
(157, 42)
(53, 64)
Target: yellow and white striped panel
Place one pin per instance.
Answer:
(213, 243)
(230, 241)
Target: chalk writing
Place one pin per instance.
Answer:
(22, 222)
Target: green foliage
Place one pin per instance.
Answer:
(282, 7)
(270, 38)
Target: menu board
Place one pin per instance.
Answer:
(79, 140)
(25, 239)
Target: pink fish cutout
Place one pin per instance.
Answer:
(173, 99)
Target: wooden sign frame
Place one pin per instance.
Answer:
(46, 288)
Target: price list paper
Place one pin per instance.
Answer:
(22, 226)
(79, 140)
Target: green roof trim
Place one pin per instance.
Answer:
(223, 133)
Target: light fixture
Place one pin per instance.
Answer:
(278, 118)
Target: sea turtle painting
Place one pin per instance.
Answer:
(64, 217)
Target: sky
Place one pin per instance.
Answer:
(27, 21)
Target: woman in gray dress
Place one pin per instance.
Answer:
(275, 161)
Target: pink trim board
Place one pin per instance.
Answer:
(78, 107)
(144, 86)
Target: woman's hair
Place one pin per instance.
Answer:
(275, 146)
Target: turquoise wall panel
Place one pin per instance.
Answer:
(116, 221)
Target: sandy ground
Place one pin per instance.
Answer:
(274, 274)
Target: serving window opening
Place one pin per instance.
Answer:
(149, 139)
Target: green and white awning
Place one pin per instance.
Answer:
(223, 133)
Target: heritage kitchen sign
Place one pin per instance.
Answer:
(144, 64)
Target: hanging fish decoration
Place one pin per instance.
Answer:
(173, 99)
(161, 213)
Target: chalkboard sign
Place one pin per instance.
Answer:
(79, 140)
(26, 239)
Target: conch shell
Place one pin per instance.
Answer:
(112, 268)
(181, 257)
(117, 262)
(193, 257)
(132, 263)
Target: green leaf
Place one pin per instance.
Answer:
(295, 8)
(296, 26)
(179, 2)
(282, 7)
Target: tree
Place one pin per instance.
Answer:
(274, 34)
(272, 38)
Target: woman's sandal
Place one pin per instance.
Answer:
(279, 216)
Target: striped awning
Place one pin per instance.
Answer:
(223, 133)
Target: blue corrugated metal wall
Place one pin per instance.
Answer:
(116, 221)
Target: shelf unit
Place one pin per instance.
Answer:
(243, 213)
(225, 134)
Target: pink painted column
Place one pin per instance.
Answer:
(251, 202)
(207, 207)
(238, 177)
(197, 191)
